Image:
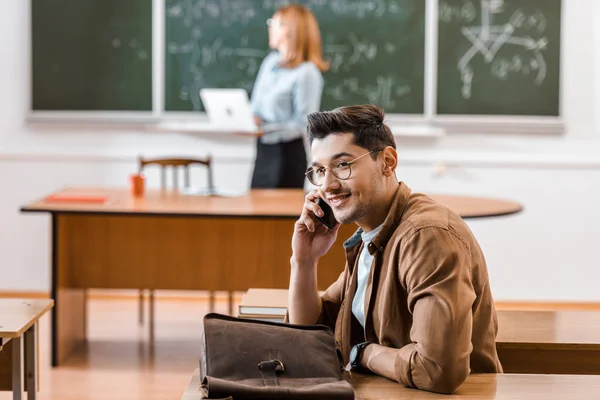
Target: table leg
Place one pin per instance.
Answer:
(69, 319)
(54, 292)
(31, 364)
(17, 368)
(151, 318)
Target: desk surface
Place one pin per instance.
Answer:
(286, 203)
(18, 315)
(552, 329)
(477, 386)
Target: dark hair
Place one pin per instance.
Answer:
(364, 122)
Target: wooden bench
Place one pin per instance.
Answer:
(18, 362)
(477, 386)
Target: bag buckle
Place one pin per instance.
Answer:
(269, 370)
(277, 364)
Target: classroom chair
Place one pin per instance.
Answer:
(174, 164)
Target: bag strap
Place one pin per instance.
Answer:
(269, 371)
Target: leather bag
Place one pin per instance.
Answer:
(250, 359)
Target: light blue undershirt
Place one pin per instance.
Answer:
(283, 97)
(364, 269)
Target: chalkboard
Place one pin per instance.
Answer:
(91, 55)
(376, 49)
(499, 57)
(494, 57)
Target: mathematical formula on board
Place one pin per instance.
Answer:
(524, 33)
(244, 11)
(345, 51)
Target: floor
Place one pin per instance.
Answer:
(118, 362)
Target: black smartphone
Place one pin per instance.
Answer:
(328, 219)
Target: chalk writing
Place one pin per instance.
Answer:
(195, 40)
(131, 45)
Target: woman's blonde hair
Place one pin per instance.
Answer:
(305, 37)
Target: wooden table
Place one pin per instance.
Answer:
(18, 323)
(477, 386)
(171, 241)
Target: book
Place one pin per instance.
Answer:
(264, 302)
(75, 198)
(266, 318)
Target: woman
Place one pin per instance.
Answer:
(288, 87)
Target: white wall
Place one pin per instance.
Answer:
(544, 253)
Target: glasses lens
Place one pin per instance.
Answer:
(313, 177)
(342, 171)
(274, 23)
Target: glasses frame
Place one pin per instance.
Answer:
(349, 163)
(274, 23)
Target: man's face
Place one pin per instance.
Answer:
(353, 198)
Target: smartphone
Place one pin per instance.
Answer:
(327, 219)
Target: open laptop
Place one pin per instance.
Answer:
(228, 110)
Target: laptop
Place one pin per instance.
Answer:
(228, 110)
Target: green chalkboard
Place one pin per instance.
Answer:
(91, 55)
(376, 48)
(499, 57)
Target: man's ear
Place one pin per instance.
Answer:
(390, 161)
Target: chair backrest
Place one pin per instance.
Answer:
(175, 164)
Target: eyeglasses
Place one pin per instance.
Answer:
(274, 23)
(342, 170)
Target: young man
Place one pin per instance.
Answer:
(413, 303)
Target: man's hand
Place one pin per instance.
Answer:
(257, 120)
(311, 239)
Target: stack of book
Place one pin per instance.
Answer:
(264, 304)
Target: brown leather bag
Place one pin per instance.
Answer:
(250, 359)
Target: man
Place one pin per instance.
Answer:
(413, 303)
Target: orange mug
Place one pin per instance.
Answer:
(137, 182)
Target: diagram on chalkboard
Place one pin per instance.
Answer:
(487, 39)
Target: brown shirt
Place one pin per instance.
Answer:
(428, 295)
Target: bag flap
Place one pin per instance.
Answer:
(234, 347)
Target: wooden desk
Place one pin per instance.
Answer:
(537, 342)
(166, 240)
(18, 323)
(272, 203)
(477, 386)
(549, 342)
